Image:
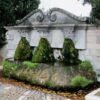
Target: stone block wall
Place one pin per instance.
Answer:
(92, 51)
(54, 35)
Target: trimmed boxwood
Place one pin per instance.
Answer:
(43, 53)
(80, 81)
(69, 52)
(23, 51)
(86, 69)
(86, 66)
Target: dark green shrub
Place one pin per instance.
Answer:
(69, 53)
(80, 81)
(30, 65)
(50, 84)
(23, 51)
(86, 65)
(9, 68)
(86, 70)
(43, 52)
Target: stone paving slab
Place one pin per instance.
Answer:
(10, 92)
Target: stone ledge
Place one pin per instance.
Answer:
(93, 96)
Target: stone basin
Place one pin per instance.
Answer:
(52, 75)
(57, 74)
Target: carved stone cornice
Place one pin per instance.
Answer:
(51, 16)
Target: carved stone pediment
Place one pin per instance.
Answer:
(53, 16)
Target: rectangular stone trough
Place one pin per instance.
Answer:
(95, 95)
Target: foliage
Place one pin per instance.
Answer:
(23, 50)
(12, 10)
(86, 70)
(43, 52)
(70, 54)
(30, 65)
(98, 75)
(8, 68)
(86, 65)
(50, 84)
(80, 81)
(17, 71)
(95, 13)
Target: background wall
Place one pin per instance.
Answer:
(92, 51)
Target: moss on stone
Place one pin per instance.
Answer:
(43, 53)
(69, 52)
(23, 51)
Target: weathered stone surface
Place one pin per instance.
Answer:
(3, 51)
(54, 15)
(57, 74)
(44, 75)
(35, 38)
(80, 39)
(10, 92)
(57, 39)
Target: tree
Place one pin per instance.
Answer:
(23, 51)
(86, 1)
(43, 53)
(69, 53)
(12, 10)
(95, 13)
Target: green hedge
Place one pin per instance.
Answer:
(86, 69)
(80, 81)
(23, 51)
(9, 68)
(86, 66)
(69, 53)
(30, 65)
(43, 53)
(18, 72)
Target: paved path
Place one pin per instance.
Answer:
(10, 92)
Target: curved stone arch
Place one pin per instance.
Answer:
(51, 11)
(39, 18)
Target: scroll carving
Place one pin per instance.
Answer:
(41, 16)
(52, 17)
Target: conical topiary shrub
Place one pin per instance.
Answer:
(69, 53)
(23, 51)
(43, 53)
